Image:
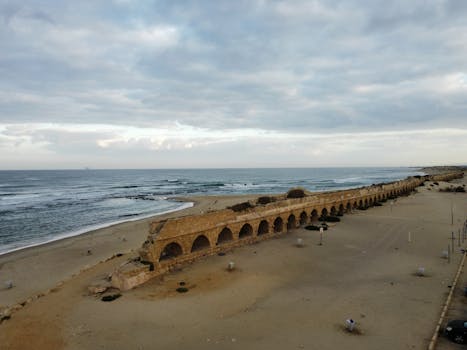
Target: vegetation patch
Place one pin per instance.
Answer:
(241, 206)
(296, 193)
(266, 199)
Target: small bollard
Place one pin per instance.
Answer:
(421, 271)
(231, 266)
(300, 242)
(8, 284)
(350, 324)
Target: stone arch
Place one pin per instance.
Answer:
(278, 224)
(291, 222)
(200, 243)
(245, 231)
(303, 218)
(171, 251)
(374, 200)
(314, 215)
(341, 209)
(348, 207)
(360, 203)
(333, 211)
(355, 205)
(324, 212)
(366, 202)
(224, 236)
(263, 228)
(370, 202)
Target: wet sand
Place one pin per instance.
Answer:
(279, 297)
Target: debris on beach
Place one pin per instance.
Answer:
(9, 284)
(350, 325)
(420, 272)
(98, 288)
(316, 227)
(231, 266)
(111, 297)
(300, 243)
(5, 314)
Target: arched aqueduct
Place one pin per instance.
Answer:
(181, 240)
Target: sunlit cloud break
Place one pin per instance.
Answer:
(209, 148)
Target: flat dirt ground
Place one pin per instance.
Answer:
(279, 297)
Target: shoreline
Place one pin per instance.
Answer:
(355, 272)
(93, 228)
(68, 257)
(181, 199)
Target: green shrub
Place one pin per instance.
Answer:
(241, 206)
(265, 200)
(296, 193)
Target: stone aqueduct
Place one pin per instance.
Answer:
(178, 241)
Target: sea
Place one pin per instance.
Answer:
(41, 206)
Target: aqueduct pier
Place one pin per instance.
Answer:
(174, 242)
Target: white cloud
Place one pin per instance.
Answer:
(328, 81)
(96, 145)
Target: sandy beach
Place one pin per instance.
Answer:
(280, 296)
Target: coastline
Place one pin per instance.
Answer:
(104, 243)
(366, 274)
(94, 228)
(67, 257)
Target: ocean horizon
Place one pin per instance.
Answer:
(40, 206)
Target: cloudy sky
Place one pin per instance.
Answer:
(254, 83)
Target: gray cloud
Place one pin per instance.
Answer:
(286, 67)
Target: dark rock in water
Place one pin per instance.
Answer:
(111, 297)
(221, 254)
(182, 289)
(181, 283)
(377, 204)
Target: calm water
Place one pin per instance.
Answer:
(40, 206)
